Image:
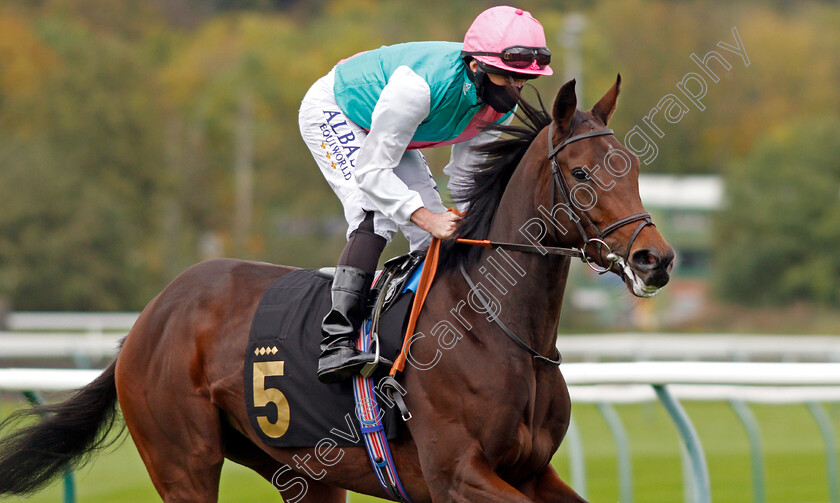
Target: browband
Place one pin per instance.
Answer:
(553, 151)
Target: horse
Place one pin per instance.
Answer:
(487, 415)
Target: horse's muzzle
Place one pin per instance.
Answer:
(653, 266)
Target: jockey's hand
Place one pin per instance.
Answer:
(439, 225)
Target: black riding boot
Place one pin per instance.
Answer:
(339, 358)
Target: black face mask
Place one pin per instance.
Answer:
(496, 96)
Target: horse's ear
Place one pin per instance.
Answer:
(604, 109)
(565, 105)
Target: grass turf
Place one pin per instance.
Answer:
(794, 458)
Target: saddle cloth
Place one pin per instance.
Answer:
(287, 405)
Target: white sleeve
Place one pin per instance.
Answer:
(404, 103)
(464, 159)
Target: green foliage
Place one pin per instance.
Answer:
(120, 120)
(778, 236)
(55, 252)
(80, 166)
(791, 75)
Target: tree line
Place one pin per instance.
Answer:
(141, 137)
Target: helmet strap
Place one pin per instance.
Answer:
(476, 77)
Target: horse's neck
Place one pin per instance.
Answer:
(531, 307)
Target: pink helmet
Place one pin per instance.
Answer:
(509, 39)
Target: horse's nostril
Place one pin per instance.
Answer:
(668, 260)
(647, 260)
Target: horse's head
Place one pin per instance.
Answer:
(594, 196)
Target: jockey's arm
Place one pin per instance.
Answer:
(403, 104)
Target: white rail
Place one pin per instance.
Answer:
(739, 373)
(50, 345)
(605, 383)
(731, 379)
(722, 347)
(95, 335)
(61, 321)
(637, 393)
(16, 379)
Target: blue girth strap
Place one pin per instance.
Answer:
(373, 431)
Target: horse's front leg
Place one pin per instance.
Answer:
(547, 487)
(465, 477)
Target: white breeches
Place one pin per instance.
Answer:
(335, 140)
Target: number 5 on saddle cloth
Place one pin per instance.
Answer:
(287, 405)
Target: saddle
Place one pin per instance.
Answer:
(287, 405)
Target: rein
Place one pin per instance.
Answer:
(559, 184)
(519, 342)
(551, 250)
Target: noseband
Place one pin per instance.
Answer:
(560, 184)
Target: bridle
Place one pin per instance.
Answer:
(560, 183)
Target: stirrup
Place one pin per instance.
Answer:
(348, 368)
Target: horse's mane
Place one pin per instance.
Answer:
(488, 180)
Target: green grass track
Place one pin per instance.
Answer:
(794, 458)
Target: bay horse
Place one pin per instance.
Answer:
(487, 416)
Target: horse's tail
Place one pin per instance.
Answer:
(63, 438)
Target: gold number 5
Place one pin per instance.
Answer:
(263, 397)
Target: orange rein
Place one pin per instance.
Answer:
(423, 287)
(426, 279)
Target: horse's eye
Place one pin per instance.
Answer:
(580, 175)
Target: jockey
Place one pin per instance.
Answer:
(365, 120)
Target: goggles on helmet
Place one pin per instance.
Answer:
(520, 56)
(504, 73)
